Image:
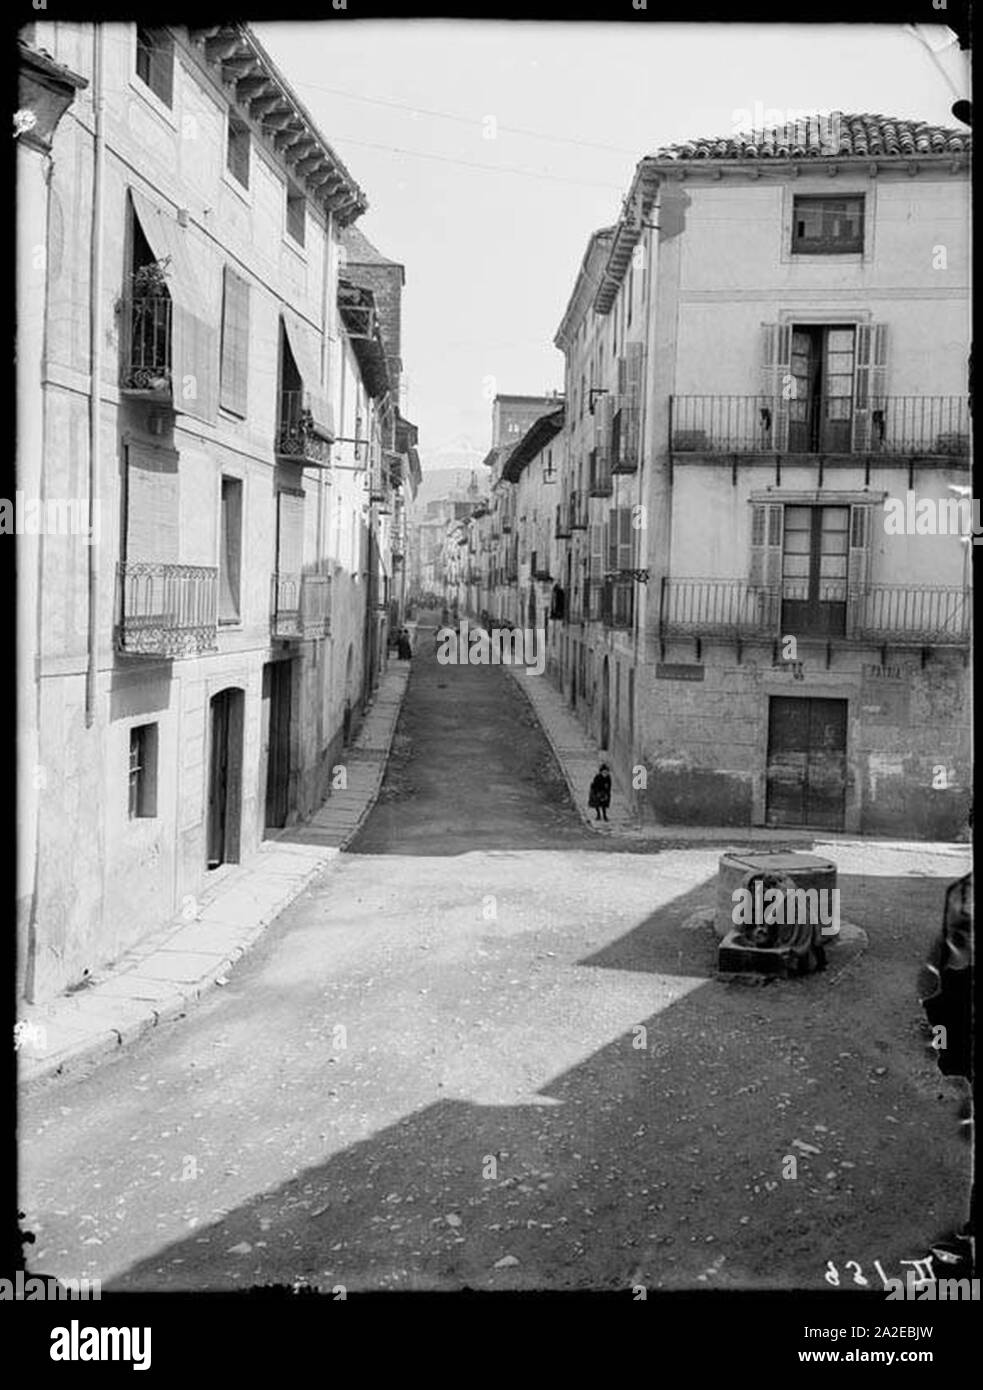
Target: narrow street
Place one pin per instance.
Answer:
(430, 1073)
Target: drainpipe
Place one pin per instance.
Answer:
(95, 365)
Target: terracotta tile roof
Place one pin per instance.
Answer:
(828, 136)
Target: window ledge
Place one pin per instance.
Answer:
(299, 251)
(241, 190)
(151, 99)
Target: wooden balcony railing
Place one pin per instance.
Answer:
(895, 426)
(166, 611)
(296, 437)
(914, 615)
(146, 343)
(301, 606)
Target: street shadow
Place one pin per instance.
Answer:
(660, 1158)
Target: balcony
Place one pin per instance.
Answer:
(578, 511)
(626, 445)
(905, 615)
(897, 426)
(601, 484)
(297, 439)
(561, 531)
(145, 367)
(301, 606)
(166, 611)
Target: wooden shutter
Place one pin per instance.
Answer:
(870, 365)
(290, 532)
(776, 366)
(631, 432)
(603, 416)
(626, 540)
(612, 539)
(766, 545)
(151, 505)
(858, 562)
(235, 343)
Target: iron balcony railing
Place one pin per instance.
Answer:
(898, 614)
(296, 436)
(926, 426)
(164, 610)
(147, 332)
(301, 606)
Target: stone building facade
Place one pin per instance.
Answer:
(198, 663)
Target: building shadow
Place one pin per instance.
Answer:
(660, 1158)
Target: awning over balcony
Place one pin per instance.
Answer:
(194, 346)
(306, 358)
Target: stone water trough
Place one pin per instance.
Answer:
(777, 912)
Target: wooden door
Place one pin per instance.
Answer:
(806, 773)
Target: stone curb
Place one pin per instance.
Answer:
(107, 1042)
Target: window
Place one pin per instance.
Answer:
(237, 150)
(155, 61)
(143, 771)
(295, 214)
(233, 381)
(827, 226)
(814, 570)
(230, 554)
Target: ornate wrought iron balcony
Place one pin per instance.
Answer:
(296, 438)
(145, 359)
(894, 426)
(908, 615)
(301, 606)
(166, 611)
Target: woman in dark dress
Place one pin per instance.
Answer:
(600, 793)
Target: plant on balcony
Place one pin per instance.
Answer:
(149, 327)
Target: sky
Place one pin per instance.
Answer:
(489, 152)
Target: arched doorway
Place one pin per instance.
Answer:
(225, 727)
(605, 706)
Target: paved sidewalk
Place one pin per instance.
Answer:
(168, 971)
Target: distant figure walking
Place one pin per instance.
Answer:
(403, 645)
(600, 792)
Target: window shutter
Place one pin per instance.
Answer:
(626, 537)
(766, 546)
(776, 365)
(235, 343)
(612, 545)
(290, 533)
(151, 505)
(603, 415)
(858, 562)
(632, 434)
(868, 381)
